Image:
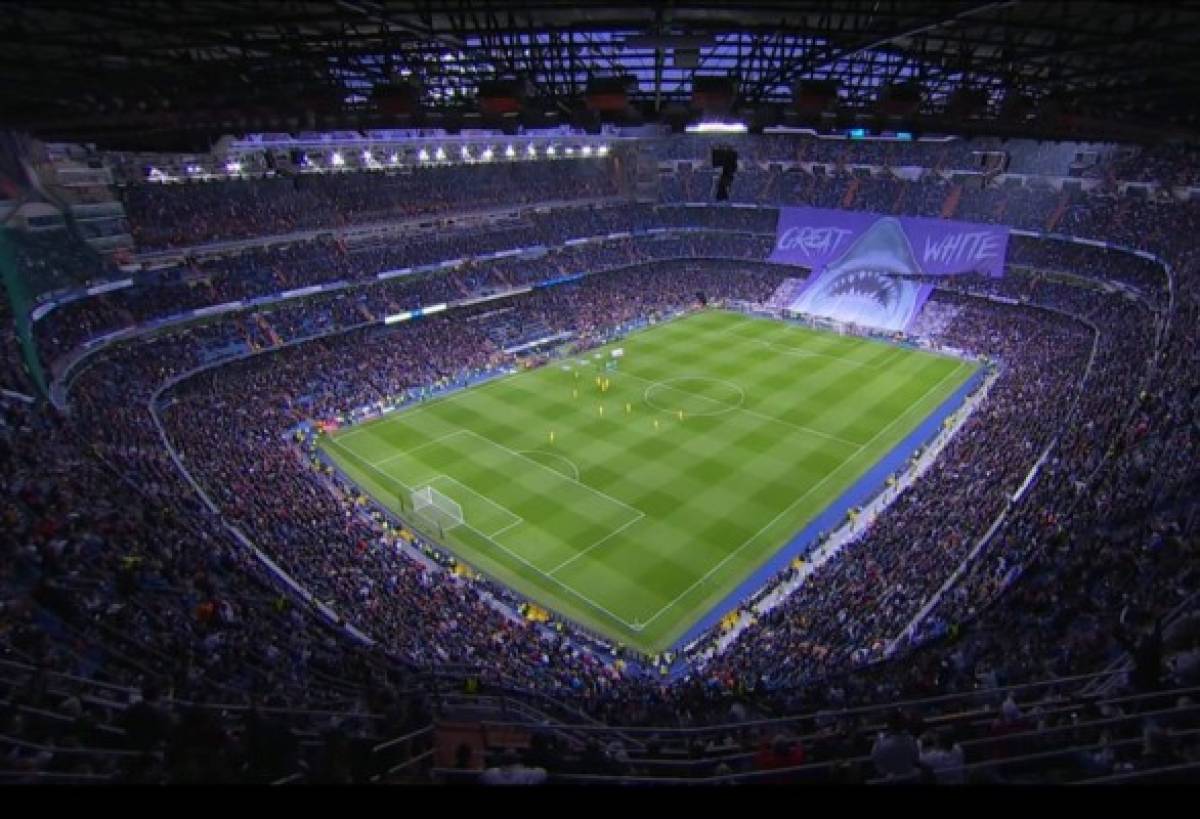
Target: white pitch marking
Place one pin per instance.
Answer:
(754, 413)
(568, 588)
(504, 529)
(580, 554)
(510, 513)
(592, 489)
(666, 383)
(798, 500)
(562, 458)
(731, 330)
(425, 445)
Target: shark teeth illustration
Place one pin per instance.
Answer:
(867, 268)
(868, 284)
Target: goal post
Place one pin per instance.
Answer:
(436, 508)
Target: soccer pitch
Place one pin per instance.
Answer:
(634, 500)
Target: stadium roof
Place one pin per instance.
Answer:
(142, 71)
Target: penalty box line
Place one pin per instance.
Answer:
(416, 449)
(492, 537)
(638, 516)
(355, 456)
(520, 558)
(554, 472)
(599, 542)
(565, 586)
(733, 330)
(517, 520)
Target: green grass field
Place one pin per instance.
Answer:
(635, 521)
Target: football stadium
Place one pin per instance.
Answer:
(665, 394)
(629, 522)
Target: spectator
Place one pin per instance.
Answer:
(146, 724)
(512, 772)
(783, 752)
(895, 753)
(942, 757)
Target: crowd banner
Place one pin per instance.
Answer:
(863, 263)
(819, 237)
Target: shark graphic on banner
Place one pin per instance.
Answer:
(813, 237)
(860, 261)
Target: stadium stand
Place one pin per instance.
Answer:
(191, 594)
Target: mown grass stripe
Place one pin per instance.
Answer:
(658, 521)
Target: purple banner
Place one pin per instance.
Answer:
(818, 238)
(865, 298)
(923, 295)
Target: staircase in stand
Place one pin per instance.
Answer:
(1118, 216)
(458, 284)
(940, 164)
(248, 336)
(647, 186)
(268, 330)
(851, 192)
(1000, 209)
(768, 189)
(499, 274)
(1060, 210)
(950, 203)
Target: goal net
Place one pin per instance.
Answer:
(436, 508)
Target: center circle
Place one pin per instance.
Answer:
(695, 395)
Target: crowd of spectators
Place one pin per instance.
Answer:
(1005, 333)
(131, 627)
(1167, 164)
(1060, 353)
(53, 259)
(116, 571)
(277, 499)
(1023, 156)
(268, 272)
(13, 371)
(191, 213)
